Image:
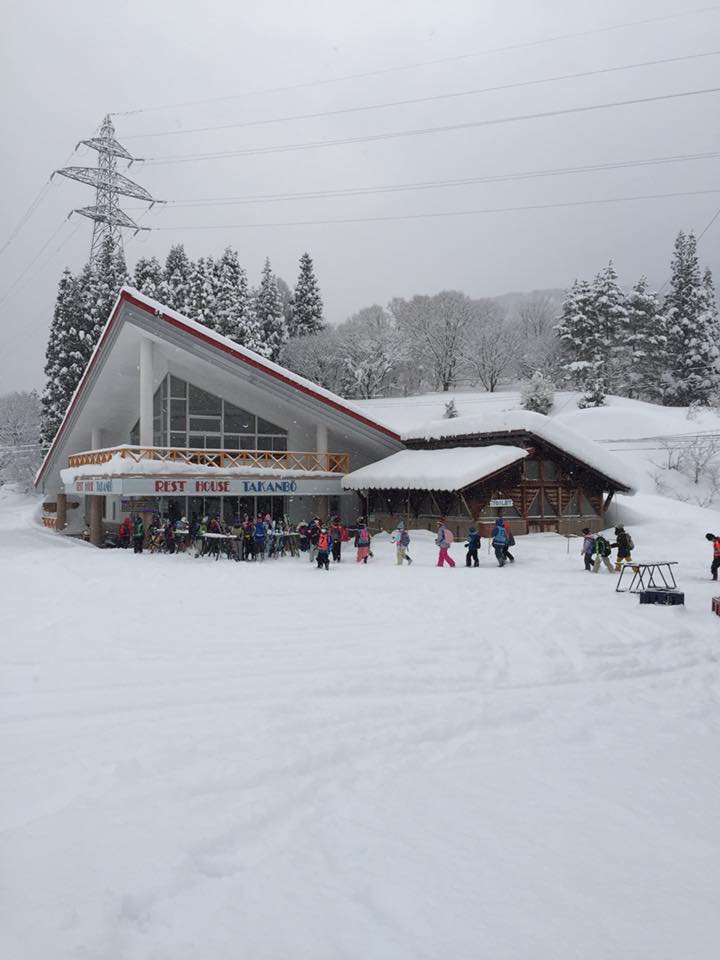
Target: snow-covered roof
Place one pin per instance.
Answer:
(525, 421)
(451, 469)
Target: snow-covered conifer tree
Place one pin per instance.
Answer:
(307, 306)
(202, 299)
(646, 344)
(176, 279)
(148, 277)
(610, 315)
(232, 316)
(575, 330)
(538, 393)
(109, 275)
(64, 356)
(691, 328)
(269, 316)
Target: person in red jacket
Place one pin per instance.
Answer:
(715, 565)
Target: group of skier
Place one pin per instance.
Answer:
(596, 550)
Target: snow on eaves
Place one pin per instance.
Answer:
(118, 466)
(545, 428)
(452, 469)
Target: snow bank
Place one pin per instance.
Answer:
(451, 469)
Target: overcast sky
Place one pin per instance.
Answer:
(63, 66)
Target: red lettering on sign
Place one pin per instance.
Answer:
(169, 486)
(212, 486)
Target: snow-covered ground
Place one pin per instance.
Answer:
(223, 761)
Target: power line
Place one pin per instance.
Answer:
(428, 99)
(32, 263)
(447, 213)
(438, 184)
(524, 45)
(422, 131)
(699, 237)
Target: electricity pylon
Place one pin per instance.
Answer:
(109, 219)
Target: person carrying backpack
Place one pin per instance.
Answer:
(715, 565)
(362, 542)
(502, 526)
(444, 541)
(324, 545)
(625, 546)
(313, 534)
(602, 554)
(473, 545)
(588, 548)
(500, 542)
(401, 538)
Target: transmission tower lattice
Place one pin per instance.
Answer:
(108, 219)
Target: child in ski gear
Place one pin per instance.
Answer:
(473, 545)
(602, 554)
(336, 533)
(500, 542)
(588, 548)
(502, 524)
(401, 538)
(125, 532)
(715, 565)
(138, 534)
(313, 534)
(362, 542)
(625, 546)
(444, 541)
(324, 545)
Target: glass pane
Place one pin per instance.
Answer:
(231, 443)
(264, 443)
(279, 443)
(203, 404)
(177, 439)
(157, 403)
(237, 420)
(550, 471)
(213, 443)
(587, 508)
(248, 443)
(571, 510)
(532, 469)
(206, 424)
(135, 435)
(264, 426)
(548, 509)
(177, 387)
(534, 508)
(196, 441)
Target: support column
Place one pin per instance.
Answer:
(321, 448)
(61, 511)
(96, 520)
(96, 440)
(146, 392)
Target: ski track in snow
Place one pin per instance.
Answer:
(215, 760)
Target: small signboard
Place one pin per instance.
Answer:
(501, 503)
(141, 505)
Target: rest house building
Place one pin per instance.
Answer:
(173, 418)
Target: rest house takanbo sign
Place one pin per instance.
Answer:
(206, 487)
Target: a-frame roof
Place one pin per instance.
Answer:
(163, 324)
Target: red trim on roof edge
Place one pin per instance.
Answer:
(225, 348)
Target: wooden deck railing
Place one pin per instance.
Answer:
(273, 459)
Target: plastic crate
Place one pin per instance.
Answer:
(662, 596)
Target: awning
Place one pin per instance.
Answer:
(452, 469)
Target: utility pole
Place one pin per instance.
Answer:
(108, 219)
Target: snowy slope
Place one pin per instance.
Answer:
(213, 760)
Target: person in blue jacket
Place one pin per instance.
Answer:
(503, 538)
(259, 534)
(473, 545)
